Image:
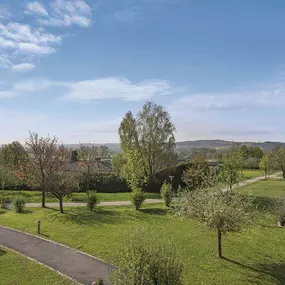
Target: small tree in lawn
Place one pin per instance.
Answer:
(264, 165)
(278, 160)
(61, 184)
(166, 193)
(133, 172)
(6, 178)
(219, 210)
(231, 166)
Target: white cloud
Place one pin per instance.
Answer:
(4, 62)
(62, 13)
(23, 39)
(37, 8)
(115, 88)
(7, 94)
(23, 67)
(32, 85)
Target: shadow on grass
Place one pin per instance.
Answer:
(2, 252)
(273, 270)
(154, 211)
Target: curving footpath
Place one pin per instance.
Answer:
(74, 264)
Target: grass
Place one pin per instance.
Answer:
(16, 269)
(248, 174)
(35, 196)
(252, 257)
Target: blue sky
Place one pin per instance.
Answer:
(74, 68)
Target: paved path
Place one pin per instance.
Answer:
(102, 204)
(74, 264)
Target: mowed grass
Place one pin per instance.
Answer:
(16, 269)
(248, 174)
(271, 188)
(255, 256)
(36, 196)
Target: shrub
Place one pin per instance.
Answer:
(92, 200)
(166, 193)
(145, 259)
(19, 204)
(138, 197)
(100, 281)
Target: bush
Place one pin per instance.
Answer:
(146, 260)
(166, 193)
(92, 200)
(19, 204)
(100, 281)
(138, 197)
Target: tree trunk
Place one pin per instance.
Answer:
(60, 205)
(43, 199)
(220, 254)
(283, 171)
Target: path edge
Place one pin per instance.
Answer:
(42, 264)
(57, 243)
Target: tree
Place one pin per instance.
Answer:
(74, 156)
(60, 184)
(264, 165)
(278, 159)
(45, 159)
(216, 209)
(133, 170)
(197, 174)
(231, 166)
(151, 135)
(6, 178)
(118, 162)
(90, 157)
(146, 259)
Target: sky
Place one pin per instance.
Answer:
(73, 68)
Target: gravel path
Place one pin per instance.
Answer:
(102, 204)
(74, 264)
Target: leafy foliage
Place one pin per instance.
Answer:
(145, 260)
(279, 208)
(151, 136)
(278, 159)
(92, 200)
(198, 174)
(216, 209)
(232, 166)
(138, 197)
(19, 204)
(166, 193)
(265, 164)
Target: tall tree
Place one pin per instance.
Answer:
(216, 209)
(278, 159)
(14, 154)
(151, 135)
(265, 164)
(118, 161)
(45, 159)
(232, 163)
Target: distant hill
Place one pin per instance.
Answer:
(219, 144)
(192, 145)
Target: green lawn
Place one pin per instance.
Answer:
(248, 174)
(35, 196)
(253, 257)
(16, 269)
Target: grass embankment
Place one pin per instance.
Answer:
(35, 196)
(16, 269)
(248, 174)
(254, 257)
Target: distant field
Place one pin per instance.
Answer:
(35, 196)
(16, 269)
